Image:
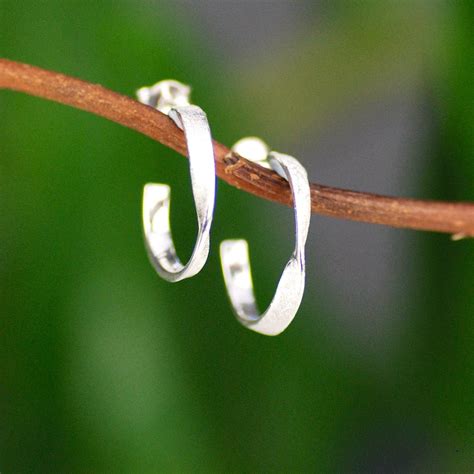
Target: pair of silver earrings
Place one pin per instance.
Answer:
(173, 98)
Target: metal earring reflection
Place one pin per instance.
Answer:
(172, 97)
(235, 257)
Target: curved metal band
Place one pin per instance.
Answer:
(156, 200)
(236, 265)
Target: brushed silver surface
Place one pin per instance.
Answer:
(235, 256)
(172, 97)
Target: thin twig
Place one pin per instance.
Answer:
(453, 218)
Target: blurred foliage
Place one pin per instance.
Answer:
(106, 368)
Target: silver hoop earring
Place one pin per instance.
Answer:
(235, 258)
(172, 98)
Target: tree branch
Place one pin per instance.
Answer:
(454, 218)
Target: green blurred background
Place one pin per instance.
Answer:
(107, 368)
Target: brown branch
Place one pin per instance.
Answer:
(454, 218)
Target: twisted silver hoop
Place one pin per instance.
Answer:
(235, 257)
(172, 97)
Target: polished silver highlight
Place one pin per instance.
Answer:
(165, 95)
(172, 97)
(235, 256)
